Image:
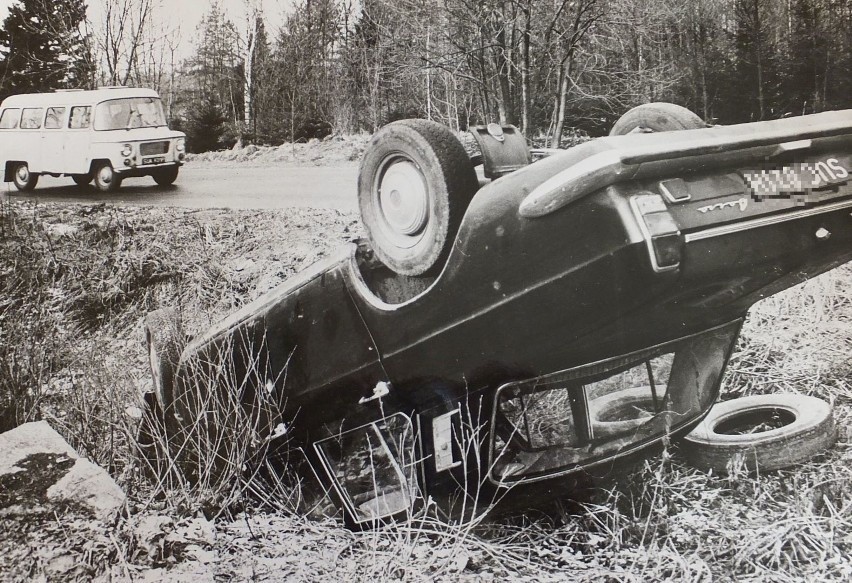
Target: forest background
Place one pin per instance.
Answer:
(558, 69)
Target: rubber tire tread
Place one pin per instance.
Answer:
(24, 187)
(81, 179)
(448, 170)
(599, 406)
(164, 329)
(165, 177)
(658, 117)
(812, 432)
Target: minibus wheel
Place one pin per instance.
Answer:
(106, 179)
(23, 178)
(165, 176)
(81, 179)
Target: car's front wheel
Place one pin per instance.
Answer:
(106, 179)
(414, 185)
(23, 178)
(656, 117)
(165, 176)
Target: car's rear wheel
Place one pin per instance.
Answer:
(24, 179)
(106, 179)
(414, 185)
(656, 117)
(165, 176)
(81, 179)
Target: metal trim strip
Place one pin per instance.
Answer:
(765, 221)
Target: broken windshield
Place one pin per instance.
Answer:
(128, 113)
(548, 425)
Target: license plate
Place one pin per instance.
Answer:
(154, 160)
(797, 179)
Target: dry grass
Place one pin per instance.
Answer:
(71, 301)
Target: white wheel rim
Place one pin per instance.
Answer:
(402, 198)
(23, 173)
(105, 174)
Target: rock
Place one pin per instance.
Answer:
(150, 533)
(61, 230)
(38, 469)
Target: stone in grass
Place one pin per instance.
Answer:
(39, 471)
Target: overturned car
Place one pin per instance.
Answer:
(534, 326)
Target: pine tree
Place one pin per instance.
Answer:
(45, 47)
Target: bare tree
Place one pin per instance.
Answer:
(122, 38)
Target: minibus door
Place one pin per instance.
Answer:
(76, 151)
(51, 143)
(77, 142)
(52, 151)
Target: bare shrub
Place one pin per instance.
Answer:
(205, 449)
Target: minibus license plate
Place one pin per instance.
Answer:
(154, 160)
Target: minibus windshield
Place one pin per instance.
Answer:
(129, 113)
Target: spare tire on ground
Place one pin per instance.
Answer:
(656, 117)
(623, 411)
(761, 432)
(414, 185)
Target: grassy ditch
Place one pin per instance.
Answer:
(75, 283)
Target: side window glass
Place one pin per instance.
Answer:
(31, 118)
(9, 119)
(80, 117)
(54, 118)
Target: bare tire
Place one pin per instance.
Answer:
(81, 179)
(623, 411)
(762, 432)
(165, 340)
(414, 185)
(166, 176)
(106, 179)
(656, 117)
(24, 179)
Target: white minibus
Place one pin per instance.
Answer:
(104, 135)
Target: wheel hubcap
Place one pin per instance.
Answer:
(23, 173)
(403, 198)
(105, 175)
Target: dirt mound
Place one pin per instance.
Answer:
(331, 151)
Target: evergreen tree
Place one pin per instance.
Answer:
(45, 47)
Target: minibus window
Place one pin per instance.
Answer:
(31, 118)
(9, 119)
(129, 113)
(54, 117)
(80, 117)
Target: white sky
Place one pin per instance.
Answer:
(188, 13)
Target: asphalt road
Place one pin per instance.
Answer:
(206, 186)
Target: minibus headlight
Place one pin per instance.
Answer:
(180, 146)
(126, 150)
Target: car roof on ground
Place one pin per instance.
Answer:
(75, 97)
